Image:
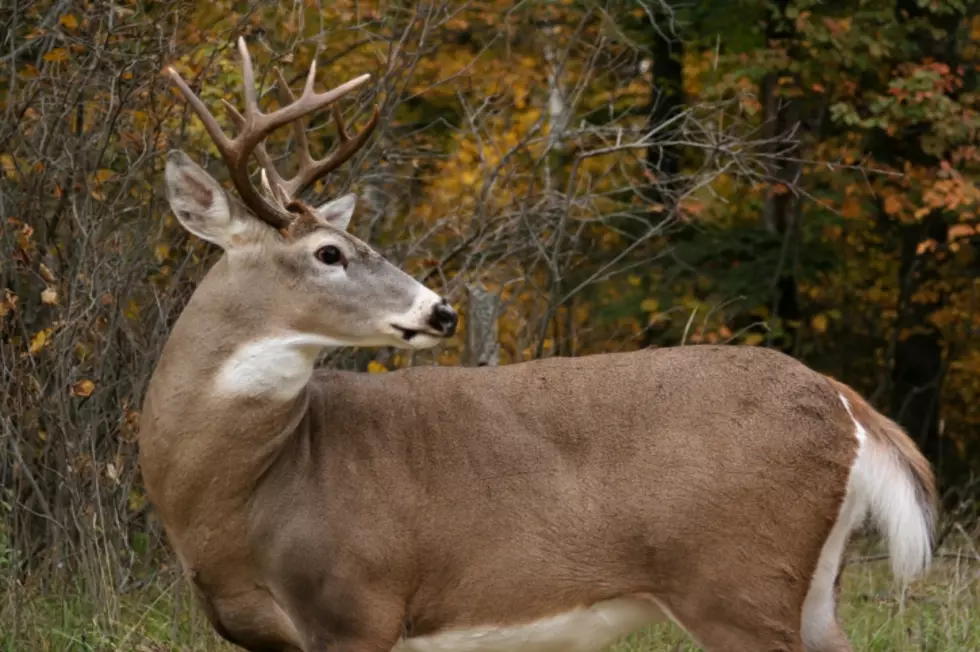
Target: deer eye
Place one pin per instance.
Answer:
(330, 255)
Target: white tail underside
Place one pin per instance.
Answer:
(882, 486)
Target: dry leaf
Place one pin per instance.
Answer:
(819, 323)
(7, 303)
(40, 340)
(893, 205)
(57, 54)
(46, 273)
(376, 367)
(83, 388)
(49, 296)
(960, 231)
(924, 246)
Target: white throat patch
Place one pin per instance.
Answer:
(274, 367)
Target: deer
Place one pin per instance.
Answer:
(555, 504)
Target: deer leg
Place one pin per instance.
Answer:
(733, 621)
(359, 645)
(761, 635)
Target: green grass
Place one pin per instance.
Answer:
(940, 613)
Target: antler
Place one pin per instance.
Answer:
(310, 169)
(255, 126)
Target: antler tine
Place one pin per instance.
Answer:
(311, 169)
(270, 176)
(255, 126)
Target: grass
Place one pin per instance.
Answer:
(939, 613)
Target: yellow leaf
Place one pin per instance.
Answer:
(46, 273)
(40, 340)
(57, 54)
(376, 367)
(102, 175)
(634, 280)
(70, 21)
(754, 339)
(819, 323)
(49, 296)
(893, 205)
(649, 305)
(8, 166)
(161, 252)
(83, 388)
(132, 311)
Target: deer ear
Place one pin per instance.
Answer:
(202, 206)
(337, 213)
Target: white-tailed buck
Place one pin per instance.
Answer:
(551, 505)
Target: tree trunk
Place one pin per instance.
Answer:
(781, 210)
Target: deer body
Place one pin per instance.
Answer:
(548, 505)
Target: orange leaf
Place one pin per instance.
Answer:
(924, 246)
(893, 205)
(960, 231)
(376, 367)
(851, 209)
(83, 388)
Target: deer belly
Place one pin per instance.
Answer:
(589, 629)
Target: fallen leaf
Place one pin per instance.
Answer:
(49, 296)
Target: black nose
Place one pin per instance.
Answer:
(444, 319)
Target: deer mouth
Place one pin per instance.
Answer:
(407, 334)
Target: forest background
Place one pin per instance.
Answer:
(791, 173)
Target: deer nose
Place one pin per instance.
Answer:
(444, 319)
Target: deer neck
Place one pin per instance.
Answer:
(228, 390)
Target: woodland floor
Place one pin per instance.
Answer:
(939, 613)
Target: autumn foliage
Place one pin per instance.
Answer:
(802, 176)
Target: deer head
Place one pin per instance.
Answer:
(320, 281)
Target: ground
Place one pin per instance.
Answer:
(939, 613)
